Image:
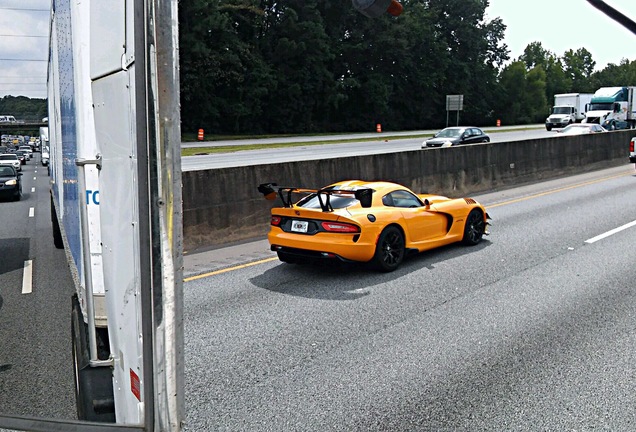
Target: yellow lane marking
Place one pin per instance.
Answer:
(574, 186)
(225, 270)
(242, 266)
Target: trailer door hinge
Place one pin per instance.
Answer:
(97, 161)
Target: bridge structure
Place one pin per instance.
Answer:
(26, 128)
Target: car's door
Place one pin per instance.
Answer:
(476, 135)
(464, 137)
(420, 223)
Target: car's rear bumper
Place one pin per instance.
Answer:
(9, 191)
(346, 247)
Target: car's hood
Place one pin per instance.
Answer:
(576, 132)
(600, 113)
(442, 140)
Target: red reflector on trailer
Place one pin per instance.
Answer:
(135, 385)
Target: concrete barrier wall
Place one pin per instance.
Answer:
(222, 206)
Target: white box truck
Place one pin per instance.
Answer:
(568, 108)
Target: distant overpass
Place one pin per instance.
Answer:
(26, 128)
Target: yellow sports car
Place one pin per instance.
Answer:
(377, 222)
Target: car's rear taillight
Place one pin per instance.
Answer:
(631, 145)
(340, 227)
(276, 220)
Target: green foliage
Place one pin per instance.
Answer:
(24, 108)
(266, 66)
(316, 66)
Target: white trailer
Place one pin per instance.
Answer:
(568, 108)
(114, 138)
(44, 137)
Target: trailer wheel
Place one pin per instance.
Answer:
(93, 385)
(57, 233)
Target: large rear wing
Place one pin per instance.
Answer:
(285, 193)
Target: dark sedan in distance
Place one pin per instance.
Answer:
(457, 135)
(10, 183)
(23, 156)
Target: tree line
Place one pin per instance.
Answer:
(311, 66)
(24, 108)
(319, 66)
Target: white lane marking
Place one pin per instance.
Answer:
(611, 232)
(32, 189)
(34, 178)
(27, 277)
(32, 212)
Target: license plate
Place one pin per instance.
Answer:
(299, 226)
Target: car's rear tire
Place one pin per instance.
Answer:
(390, 250)
(474, 227)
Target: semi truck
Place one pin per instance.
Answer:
(568, 108)
(613, 108)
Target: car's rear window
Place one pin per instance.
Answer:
(336, 201)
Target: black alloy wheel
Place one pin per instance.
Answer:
(390, 249)
(474, 227)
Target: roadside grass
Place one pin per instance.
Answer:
(193, 151)
(204, 150)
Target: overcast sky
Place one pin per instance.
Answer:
(23, 47)
(558, 25)
(567, 24)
